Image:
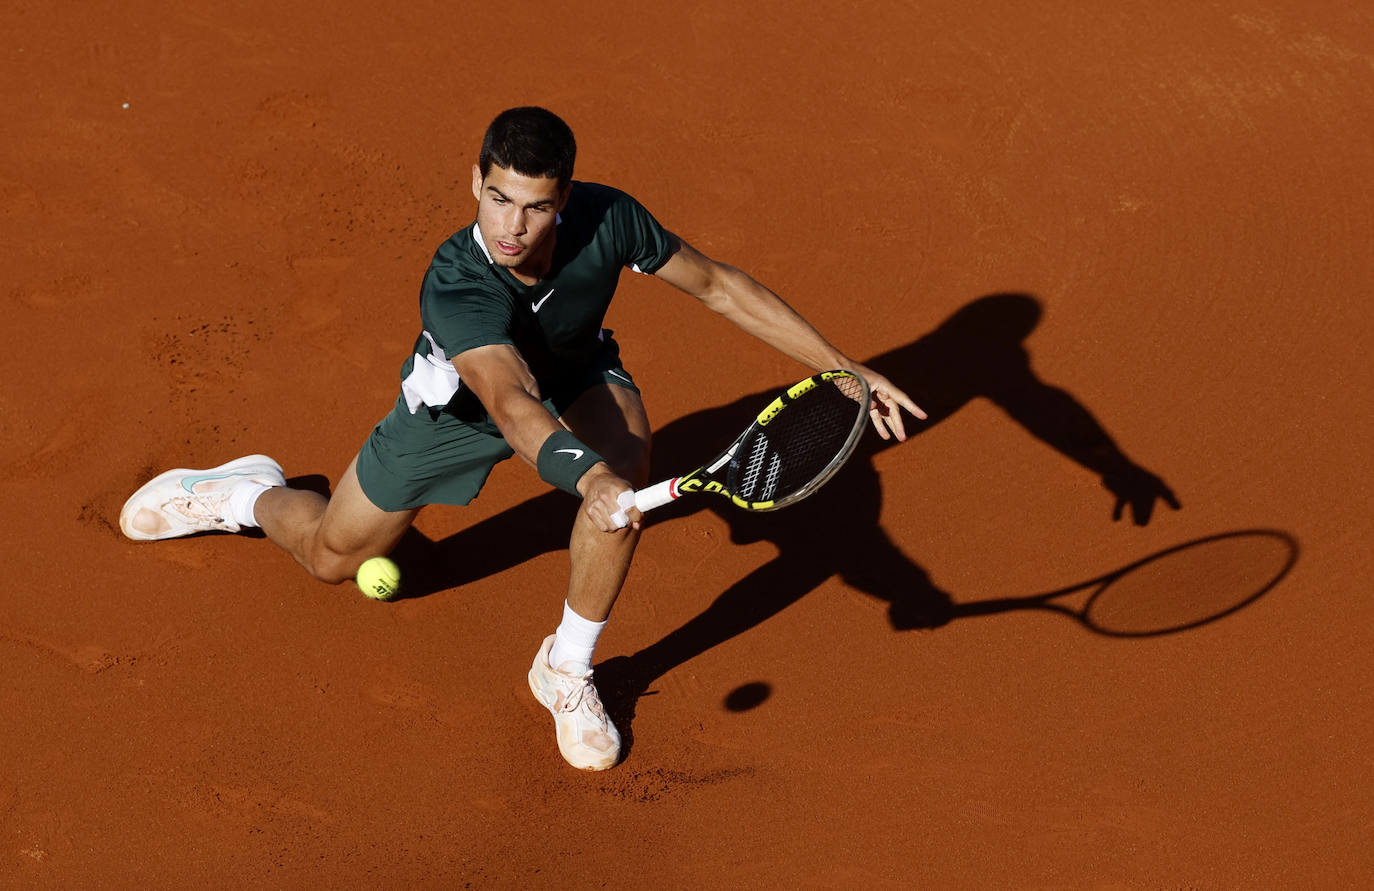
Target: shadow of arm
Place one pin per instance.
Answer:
(1056, 418)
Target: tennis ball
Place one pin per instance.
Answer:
(379, 578)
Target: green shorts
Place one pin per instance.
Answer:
(432, 457)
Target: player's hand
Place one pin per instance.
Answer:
(1137, 488)
(600, 489)
(886, 405)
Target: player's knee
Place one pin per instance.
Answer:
(331, 567)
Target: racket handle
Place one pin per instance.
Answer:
(646, 500)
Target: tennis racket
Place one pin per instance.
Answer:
(791, 449)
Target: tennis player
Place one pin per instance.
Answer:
(512, 360)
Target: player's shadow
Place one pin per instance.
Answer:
(978, 352)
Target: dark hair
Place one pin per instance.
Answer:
(531, 141)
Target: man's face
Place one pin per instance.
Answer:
(516, 214)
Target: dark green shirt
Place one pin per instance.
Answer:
(468, 301)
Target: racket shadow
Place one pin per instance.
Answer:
(1177, 589)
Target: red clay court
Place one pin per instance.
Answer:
(1116, 251)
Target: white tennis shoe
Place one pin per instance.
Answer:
(184, 502)
(586, 736)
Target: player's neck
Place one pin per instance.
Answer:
(533, 270)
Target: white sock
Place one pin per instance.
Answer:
(241, 502)
(574, 642)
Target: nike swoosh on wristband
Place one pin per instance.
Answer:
(576, 453)
(534, 307)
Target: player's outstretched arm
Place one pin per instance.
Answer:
(765, 315)
(500, 379)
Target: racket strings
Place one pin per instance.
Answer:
(753, 466)
(758, 480)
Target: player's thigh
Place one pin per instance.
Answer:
(611, 419)
(355, 527)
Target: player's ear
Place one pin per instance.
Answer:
(477, 181)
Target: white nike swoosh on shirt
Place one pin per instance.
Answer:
(576, 453)
(534, 307)
(614, 373)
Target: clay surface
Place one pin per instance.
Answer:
(1116, 252)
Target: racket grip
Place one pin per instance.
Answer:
(646, 500)
(656, 495)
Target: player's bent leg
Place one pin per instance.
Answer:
(612, 421)
(331, 537)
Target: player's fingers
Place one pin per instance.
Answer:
(632, 518)
(613, 514)
(894, 395)
(906, 402)
(623, 518)
(912, 407)
(609, 524)
(875, 415)
(893, 417)
(883, 389)
(891, 413)
(626, 514)
(600, 514)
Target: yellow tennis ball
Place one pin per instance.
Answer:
(379, 578)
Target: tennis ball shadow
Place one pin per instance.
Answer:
(748, 696)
